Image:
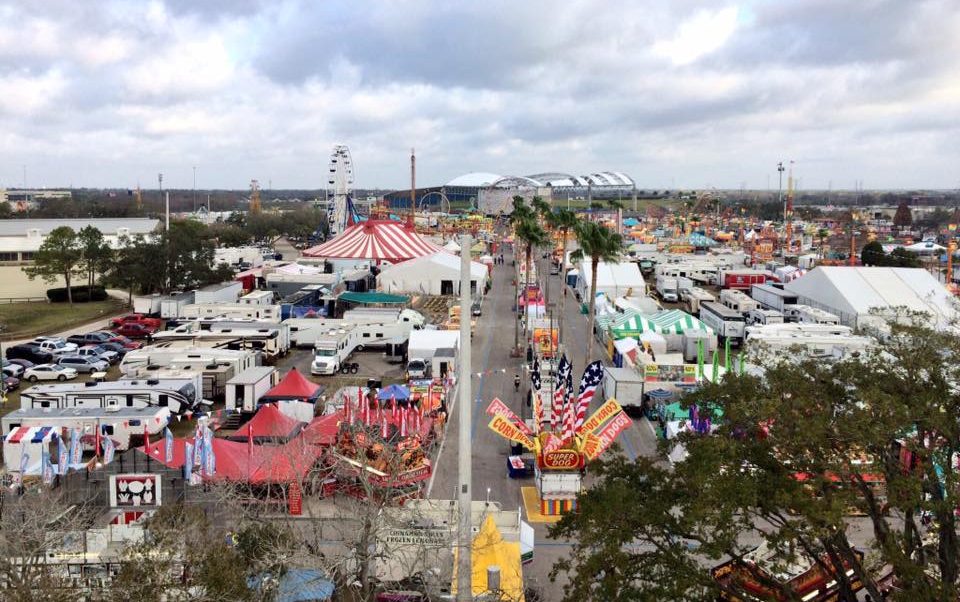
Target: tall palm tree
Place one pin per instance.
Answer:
(599, 244)
(563, 221)
(544, 210)
(521, 213)
(533, 235)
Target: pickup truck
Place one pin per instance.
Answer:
(132, 330)
(29, 351)
(153, 323)
(55, 345)
(90, 338)
(99, 353)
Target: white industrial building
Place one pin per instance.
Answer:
(867, 296)
(21, 238)
(437, 274)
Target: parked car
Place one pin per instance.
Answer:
(134, 331)
(11, 369)
(19, 362)
(29, 351)
(154, 323)
(117, 348)
(90, 338)
(55, 345)
(99, 352)
(49, 372)
(87, 365)
(10, 383)
(126, 342)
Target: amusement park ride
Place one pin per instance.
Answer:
(341, 185)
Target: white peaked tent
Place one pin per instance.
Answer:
(860, 295)
(613, 279)
(452, 246)
(437, 274)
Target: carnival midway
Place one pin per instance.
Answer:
(336, 395)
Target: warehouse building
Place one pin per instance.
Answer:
(21, 238)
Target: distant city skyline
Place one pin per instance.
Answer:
(682, 94)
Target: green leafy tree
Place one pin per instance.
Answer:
(95, 254)
(598, 244)
(58, 257)
(229, 235)
(137, 267)
(5, 210)
(873, 254)
(798, 452)
(902, 218)
(902, 258)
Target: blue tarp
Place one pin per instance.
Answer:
(400, 392)
(298, 585)
(631, 222)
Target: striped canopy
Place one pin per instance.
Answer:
(675, 321)
(632, 325)
(376, 240)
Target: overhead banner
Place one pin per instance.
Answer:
(498, 408)
(509, 430)
(595, 444)
(603, 413)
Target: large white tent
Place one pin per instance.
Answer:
(861, 296)
(436, 274)
(613, 279)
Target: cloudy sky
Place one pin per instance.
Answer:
(677, 93)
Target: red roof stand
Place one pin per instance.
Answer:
(294, 386)
(269, 424)
(323, 430)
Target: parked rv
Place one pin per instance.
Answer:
(761, 316)
(737, 300)
(246, 388)
(179, 395)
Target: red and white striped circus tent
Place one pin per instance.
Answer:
(376, 240)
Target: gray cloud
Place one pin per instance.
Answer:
(690, 92)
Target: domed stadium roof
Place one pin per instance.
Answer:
(552, 179)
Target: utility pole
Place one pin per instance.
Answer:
(413, 187)
(464, 539)
(780, 190)
(167, 219)
(160, 183)
(194, 188)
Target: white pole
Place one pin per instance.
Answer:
(464, 566)
(167, 224)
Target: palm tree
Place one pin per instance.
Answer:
(544, 211)
(617, 206)
(562, 221)
(533, 235)
(521, 213)
(822, 234)
(599, 244)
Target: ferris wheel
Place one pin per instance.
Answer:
(340, 181)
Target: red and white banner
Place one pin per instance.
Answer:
(598, 442)
(498, 408)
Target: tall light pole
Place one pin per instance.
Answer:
(780, 191)
(465, 495)
(194, 188)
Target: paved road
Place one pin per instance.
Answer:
(491, 355)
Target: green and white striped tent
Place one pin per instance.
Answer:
(675, 321)
(632, 326)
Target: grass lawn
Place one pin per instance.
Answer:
(21, 320)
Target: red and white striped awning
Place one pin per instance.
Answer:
(375, 240)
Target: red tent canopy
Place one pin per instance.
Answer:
(380, 240)
(236, 461)
(323, 429)
(293, 386)
(268, 423)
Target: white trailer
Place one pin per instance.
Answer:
(258, 298)
(213, 377)
(225, 292)
(626, 386)
(230, 311)
(162, 356)
(737, 300)
(148, 305)
(273, 339)
(772, 297)
(172, 305)
(117, 423)
(806, 314)
(695, 297)
(178, 395)
(304, 332)
(384, 315)
(727, 323)
(763, 316)
(246, 388)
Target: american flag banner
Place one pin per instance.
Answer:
(537, 382)
(569, 408)
(167, 445)
(46, 468)
(588, 386)
(560, 392)
(109, 449)
(76, 452)
(187, 464)
(63, 455)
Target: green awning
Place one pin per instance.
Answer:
(374, 298)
